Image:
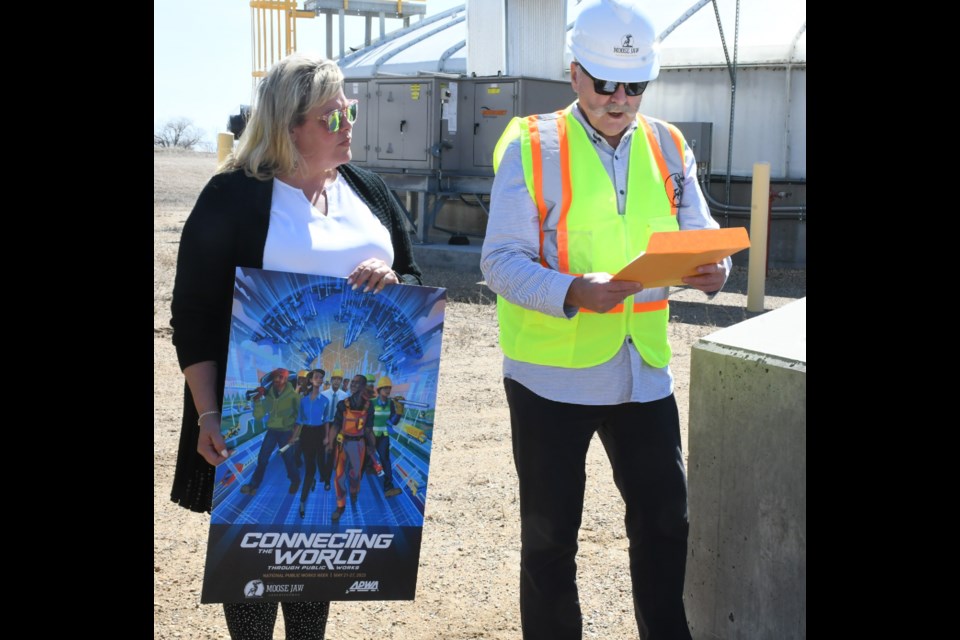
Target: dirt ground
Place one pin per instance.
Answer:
(469, 564)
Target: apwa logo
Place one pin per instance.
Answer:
(364, 586)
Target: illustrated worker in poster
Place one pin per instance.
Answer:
(312, 424)
(333, 395)
(281, 404)
(351, 425)
(385, 416)
(576, 196)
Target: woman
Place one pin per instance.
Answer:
(313, 411)
(287, 199)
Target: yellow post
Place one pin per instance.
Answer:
(759, 212)
(224, 146)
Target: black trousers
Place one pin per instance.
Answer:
(311, 444)
(255, 620)
(642, 441)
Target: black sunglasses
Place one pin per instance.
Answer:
(609, 87)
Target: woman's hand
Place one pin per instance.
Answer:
(211, 444)
(373, 274)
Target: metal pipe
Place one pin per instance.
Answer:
(689, 12)
(449, 52)
(735, 210)
(400, 33)
(732, 69)
(733, 98)
(786, 126)
(385, 57)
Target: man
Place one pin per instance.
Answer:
(576, 196)
(350, 423)
(302, 383)
(371, 383)
(311, 423)
(280, 404)
(385, 416)
(333, 395)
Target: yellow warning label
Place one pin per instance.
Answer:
(493, 89)
(415, 92)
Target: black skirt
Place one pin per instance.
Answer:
(193, 476)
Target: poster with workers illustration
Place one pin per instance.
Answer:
(328, 414)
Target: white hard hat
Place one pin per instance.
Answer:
(615, 40)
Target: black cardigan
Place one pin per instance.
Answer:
(226, 229)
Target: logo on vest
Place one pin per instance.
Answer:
(626, 46)
(677, 180)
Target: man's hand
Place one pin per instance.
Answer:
(598, 292)
(711, 278)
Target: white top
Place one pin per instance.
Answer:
(300, 239)
(333, 401)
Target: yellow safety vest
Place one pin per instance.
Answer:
(581, 232)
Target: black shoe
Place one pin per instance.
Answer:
(337, 513)
(303, 508)
(326, 486)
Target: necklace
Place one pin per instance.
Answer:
(323, 192)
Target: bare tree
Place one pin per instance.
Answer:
(178, 132)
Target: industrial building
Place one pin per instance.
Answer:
(439, 88)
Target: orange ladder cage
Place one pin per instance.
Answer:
(273, 27)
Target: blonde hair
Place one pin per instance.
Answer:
(292, 87)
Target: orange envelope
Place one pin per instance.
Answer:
(672, 255)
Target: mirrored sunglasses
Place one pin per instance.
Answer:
(334, 118)
(609, 87)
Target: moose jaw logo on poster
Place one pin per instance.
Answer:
(253, 589)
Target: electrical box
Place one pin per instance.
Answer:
(398, 126)
(440, 125)
(698, 136)
(358, 90)
(486, 107)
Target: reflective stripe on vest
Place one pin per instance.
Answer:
(581, 231)
(381, 414)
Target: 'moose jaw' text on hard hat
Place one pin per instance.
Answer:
(615, 40)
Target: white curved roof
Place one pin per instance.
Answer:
(768, 33)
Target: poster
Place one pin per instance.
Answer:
(270, 539)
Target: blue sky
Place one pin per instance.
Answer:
(202, 48)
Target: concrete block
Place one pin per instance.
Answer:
(746, 566)
(464, 258)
